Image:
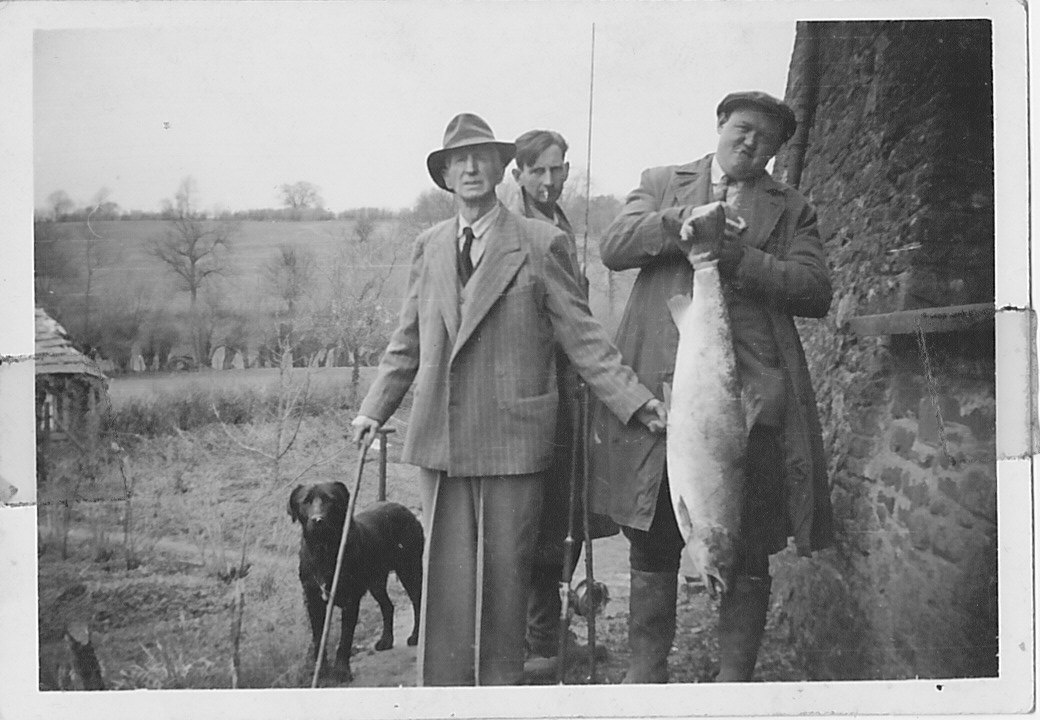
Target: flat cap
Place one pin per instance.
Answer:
(763, 101)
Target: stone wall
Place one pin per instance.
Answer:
(899, 164)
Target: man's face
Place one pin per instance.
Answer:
(543, 180)
(472, 173)
(748, 139)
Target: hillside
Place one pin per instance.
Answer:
(107, 287)
(123, 247)
(133, 295)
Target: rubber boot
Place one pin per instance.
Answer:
(742, 622)
(651, 625)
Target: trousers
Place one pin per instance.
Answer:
(477, 561)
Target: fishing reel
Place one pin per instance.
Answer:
(589, 600)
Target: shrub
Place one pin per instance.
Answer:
(166, 413)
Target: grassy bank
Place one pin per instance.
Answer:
(167, 522)
(164, 403)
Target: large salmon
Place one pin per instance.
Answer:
(706, 437)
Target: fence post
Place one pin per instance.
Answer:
(383, 432)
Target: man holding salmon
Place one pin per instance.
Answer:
(770, 258)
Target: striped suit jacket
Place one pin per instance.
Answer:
(483, 361)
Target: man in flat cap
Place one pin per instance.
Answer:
(772, 265)
(488, 295)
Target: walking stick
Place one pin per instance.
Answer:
(568, 543)
(592, 591)
(330, 606)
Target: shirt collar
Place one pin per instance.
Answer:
(716, 171)
(530, 206)
(717, 174)
(482, 224)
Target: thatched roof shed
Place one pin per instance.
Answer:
(70, 387)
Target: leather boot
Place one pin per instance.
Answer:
(742, 622)
(651, 625)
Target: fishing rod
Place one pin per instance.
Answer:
(588, 164)
(589, 595)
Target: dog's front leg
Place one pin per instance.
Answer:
(346, 639)
(316, 614)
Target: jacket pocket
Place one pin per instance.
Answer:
(532, 418)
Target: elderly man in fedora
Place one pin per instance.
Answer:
(488, 295)
(773, 268)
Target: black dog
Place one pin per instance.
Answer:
(385, 537)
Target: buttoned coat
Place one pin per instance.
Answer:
(783, 270)
(483, 360)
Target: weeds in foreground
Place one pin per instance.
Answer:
(163, 668)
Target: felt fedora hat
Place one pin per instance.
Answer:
(466, 130)
(765, 102)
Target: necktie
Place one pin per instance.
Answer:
(719, 189)
(465, 263)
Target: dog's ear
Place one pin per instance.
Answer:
(341, 493)
(295, 498)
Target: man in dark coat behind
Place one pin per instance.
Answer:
(541, 171)
(773, 268)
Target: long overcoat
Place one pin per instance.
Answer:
(783, 268)
(563, 471)
(483, 361)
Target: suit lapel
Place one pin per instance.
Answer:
(767, 205)
(502, 258)
(690, 184)
(444, 278)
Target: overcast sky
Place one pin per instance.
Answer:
(353, 96)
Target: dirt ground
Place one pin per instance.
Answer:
(694, 655)
(165, 623)
(198, 497)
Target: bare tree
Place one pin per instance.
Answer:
(355, 315)
(185, 197)
(430, 208)
(122, 312)
(289, 275)
(195, 251)
(61, 204)
(364, 228)
(299, 196)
